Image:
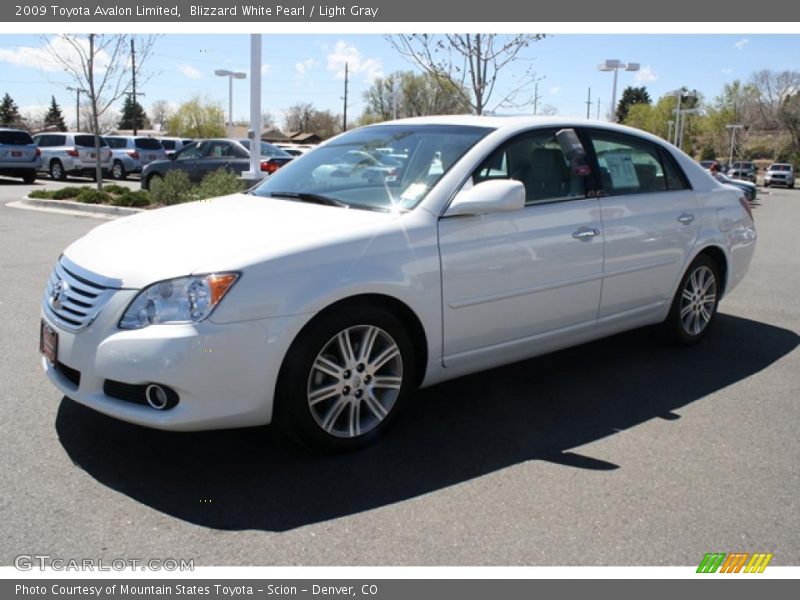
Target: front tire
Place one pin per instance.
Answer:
(345, 378)
(695, 304)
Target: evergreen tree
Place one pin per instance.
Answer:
(133, 112)
(54, 117)
(631, 96)
(9, 112)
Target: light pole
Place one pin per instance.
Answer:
(733, 129)
(231, 75)
(612, 64)
(670, 123)
(679, 94)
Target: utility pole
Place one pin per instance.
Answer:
(589, 103)
(77, 106)
(134, 104)
(344, 116)
(733, 129)
(598, 109)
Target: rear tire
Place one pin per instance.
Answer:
(695, 304)
(57, 171)
(29, 176)
(118, 171)
(345, 379)
(150, 179)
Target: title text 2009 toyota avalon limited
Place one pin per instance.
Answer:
(393, 256)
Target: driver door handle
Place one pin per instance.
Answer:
(585, 234)
(686, 219)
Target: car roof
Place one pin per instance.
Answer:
(515, 123)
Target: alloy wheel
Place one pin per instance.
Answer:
(698, 299)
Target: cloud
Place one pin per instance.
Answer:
(266, 68)
(42, 58)
(727, 71)
(555, 89)
(343, 54)
(190, 72)
(645, 75)
(302, 68)
(741, 44)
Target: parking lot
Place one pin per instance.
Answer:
(625, 451)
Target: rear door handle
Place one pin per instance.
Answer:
(585, 234)
(686, 219)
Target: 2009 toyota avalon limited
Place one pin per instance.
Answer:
(325, 296)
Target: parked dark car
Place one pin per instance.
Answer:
(200, 158)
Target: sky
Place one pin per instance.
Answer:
(310, 68)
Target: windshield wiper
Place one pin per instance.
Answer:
(313, 198)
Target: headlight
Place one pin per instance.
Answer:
(182, 300)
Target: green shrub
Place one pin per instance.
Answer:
(40, 194)
(67, 193)
(133, 198)
(175, 188)
(93, 197)
(220, 183)
(113, 188)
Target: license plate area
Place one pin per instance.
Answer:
(16, 154)
(48, 342)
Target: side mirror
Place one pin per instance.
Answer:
(496, 195)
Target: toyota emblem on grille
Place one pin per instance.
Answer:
(59, 294)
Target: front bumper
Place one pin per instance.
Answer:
(224, 375)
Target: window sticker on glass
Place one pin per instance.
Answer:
(620, 168)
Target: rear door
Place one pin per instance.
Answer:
(149, 149)
(650, 219)
(87, 152)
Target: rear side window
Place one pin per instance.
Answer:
(57, 140)
(15, 138)
(87, 141)
(148, 144)
(168, 144)
(114, 142)
(630, 165)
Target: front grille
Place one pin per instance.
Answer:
(74, 297)
(70, 374)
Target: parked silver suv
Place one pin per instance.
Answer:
(173, 144)
(743, 169)
(779, 174)
(66, 154)
(131, 153)
(19, 155)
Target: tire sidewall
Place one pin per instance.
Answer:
(291, 410)
(674, 322)
(61, 176)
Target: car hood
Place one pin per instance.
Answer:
(226, 233)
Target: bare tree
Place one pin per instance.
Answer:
(407, 94)
(303, 117)
(100, 66)
(774, 90)
(160, 112)
(473, 62)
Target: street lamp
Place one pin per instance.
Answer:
(231, 75)
(680, 94)
(615, 65)
(733, 129)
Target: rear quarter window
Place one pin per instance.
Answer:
(114, 142)
(168, 144)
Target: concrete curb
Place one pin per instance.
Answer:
(79, 207)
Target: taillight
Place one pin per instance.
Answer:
(269, 167)
(746, 206)
(73, 152)
(133, 154)
(38, 151)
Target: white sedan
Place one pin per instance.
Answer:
(323, 305)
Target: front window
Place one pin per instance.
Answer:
(351, 170)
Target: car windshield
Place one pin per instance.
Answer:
(780, 168)
(350, 169)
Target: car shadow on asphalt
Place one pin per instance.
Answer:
(539, 409)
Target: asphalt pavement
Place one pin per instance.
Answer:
(625, 451)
